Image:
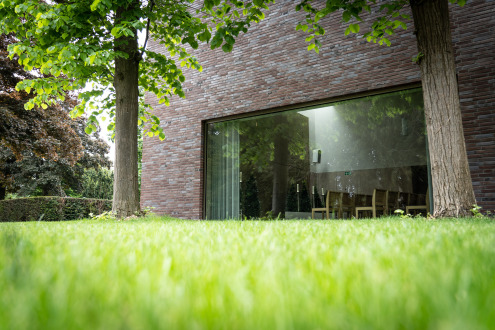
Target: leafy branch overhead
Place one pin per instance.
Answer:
(75, 46)
(391, 17)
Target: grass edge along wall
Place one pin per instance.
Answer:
(270, 69)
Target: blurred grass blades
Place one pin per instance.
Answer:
(158, 273)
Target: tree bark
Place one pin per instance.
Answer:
(280, 174)
(453, 193)
(126, 189)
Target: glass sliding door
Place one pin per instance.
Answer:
(223, 176)
(293, 162)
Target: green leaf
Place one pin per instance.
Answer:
(93, 6)
(227, 48)
(88, 130)
(354, 28)
(216, 42)
(28, 106)
(346, 16)
(115, 31)
(208, 4)
(92, 59)
(229, 39)
(258, 3)
(386, 41)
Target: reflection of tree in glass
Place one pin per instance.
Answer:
(383, 131)
(379, 107)
(304, 200)
(249, 198)
(275, 148)
(395, 122)
(317, 198)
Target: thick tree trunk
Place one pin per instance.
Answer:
(453, 194)
(125, 188)
(280, 174)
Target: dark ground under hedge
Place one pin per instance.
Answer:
(51, 208)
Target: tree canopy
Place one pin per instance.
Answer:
(42, 151)
(44, 132)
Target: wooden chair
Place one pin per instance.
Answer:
(347, 205)
(362, 200)
(333, 202)
(403, 200)
(393, 201)
(418, 202)
(379, 202)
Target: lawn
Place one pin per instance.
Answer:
(164, 273)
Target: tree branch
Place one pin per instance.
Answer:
(151, 4)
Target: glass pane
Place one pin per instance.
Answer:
(223, 177)
(340, 155)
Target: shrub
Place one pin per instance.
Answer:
(51, 208)
(97, 183)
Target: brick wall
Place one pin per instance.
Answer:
(271, 68)
(474, 43)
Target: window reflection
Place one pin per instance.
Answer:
(333, 159)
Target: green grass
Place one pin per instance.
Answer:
(164, 273)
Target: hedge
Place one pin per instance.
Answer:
(51, 208)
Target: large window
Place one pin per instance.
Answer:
(290, 163)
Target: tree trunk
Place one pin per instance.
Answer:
(280, 174)
(453, 194)
(125, 188)
(3, 192)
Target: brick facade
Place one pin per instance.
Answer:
(270, 69)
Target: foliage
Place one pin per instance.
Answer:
(353, 13)
(166, 273)
(250, 203)
(46, 133)
(97, 183)
(105, 216)
(476, 211)
(39, 149)
(317, 199)
(258, 136)
(292, 198)
(35, 176)
(76, 45)
(51, 208)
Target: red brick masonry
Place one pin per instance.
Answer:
(270, 68)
